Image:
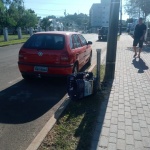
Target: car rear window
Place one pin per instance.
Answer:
(45, 41)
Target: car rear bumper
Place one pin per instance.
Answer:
(62, 70)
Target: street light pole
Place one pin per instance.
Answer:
(112, 40)
(120, 17)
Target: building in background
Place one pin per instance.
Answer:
(99, 15)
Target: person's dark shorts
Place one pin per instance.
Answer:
(138, 41)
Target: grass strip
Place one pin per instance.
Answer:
(13, 39)
(74, 129)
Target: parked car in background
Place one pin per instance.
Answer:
(54, 53)
(103, 33)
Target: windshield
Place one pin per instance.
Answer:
(45, 41)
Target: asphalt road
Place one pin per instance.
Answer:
(25, 107)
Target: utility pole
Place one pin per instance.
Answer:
(112, 40)
(120, 17)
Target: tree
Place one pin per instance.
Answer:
(13, 14)
(2, 12)
(45, 23)
(145, 7)
(28, 19)
(135, 7)
(132, 9)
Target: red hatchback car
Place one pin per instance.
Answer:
(54, 53)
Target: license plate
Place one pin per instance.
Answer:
(41, 69)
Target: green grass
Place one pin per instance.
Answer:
(74, 129)
(13, 39)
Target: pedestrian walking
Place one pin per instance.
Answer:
(139, 33)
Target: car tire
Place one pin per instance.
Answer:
(75, 68)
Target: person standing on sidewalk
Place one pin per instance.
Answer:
(139, 33)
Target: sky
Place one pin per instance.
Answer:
(57, 8)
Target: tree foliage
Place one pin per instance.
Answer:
(137, 8)
(13, 14)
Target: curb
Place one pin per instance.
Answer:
(51, 122)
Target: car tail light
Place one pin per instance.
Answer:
(21, 56)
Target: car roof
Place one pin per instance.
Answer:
(58, 32)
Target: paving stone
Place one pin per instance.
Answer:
(130, 147)
(140, 110)
(127, 109)
(139, 145)
(113, 134)
(148, 128)
(141, 116)
(108, 116)
(121, 134)
(135, 119)
(114, 113)
(129, 139)
(128, 121)
(121, 111)
(105, 131)
(106, 123)
(112, 139)
(134, 112)
(147, 113)
(137, 135)
(103, 142)
(112, 146)
(109, 109)
(121, 118)
(143, 123)
(136, 126)
(148, 120)
(145, 132)
(113, 128)
(115, 107)
(133, 106)
(138, 105)
(121, 125)
(146, 142)
(121, 145)
(127, 115)
(114, 120)
(128, 130)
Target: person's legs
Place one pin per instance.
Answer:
(135, 42)
(134, 48)
(140, 47)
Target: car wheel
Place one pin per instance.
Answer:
(75, 68)
(90, 59)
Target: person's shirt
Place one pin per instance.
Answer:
(139, 30)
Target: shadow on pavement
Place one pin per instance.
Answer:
(140, 65)
(146, 49)
(26, 101)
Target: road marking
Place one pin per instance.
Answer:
(14, 81)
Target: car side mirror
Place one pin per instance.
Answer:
(89, 42)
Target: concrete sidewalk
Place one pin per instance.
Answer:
(124, 118)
